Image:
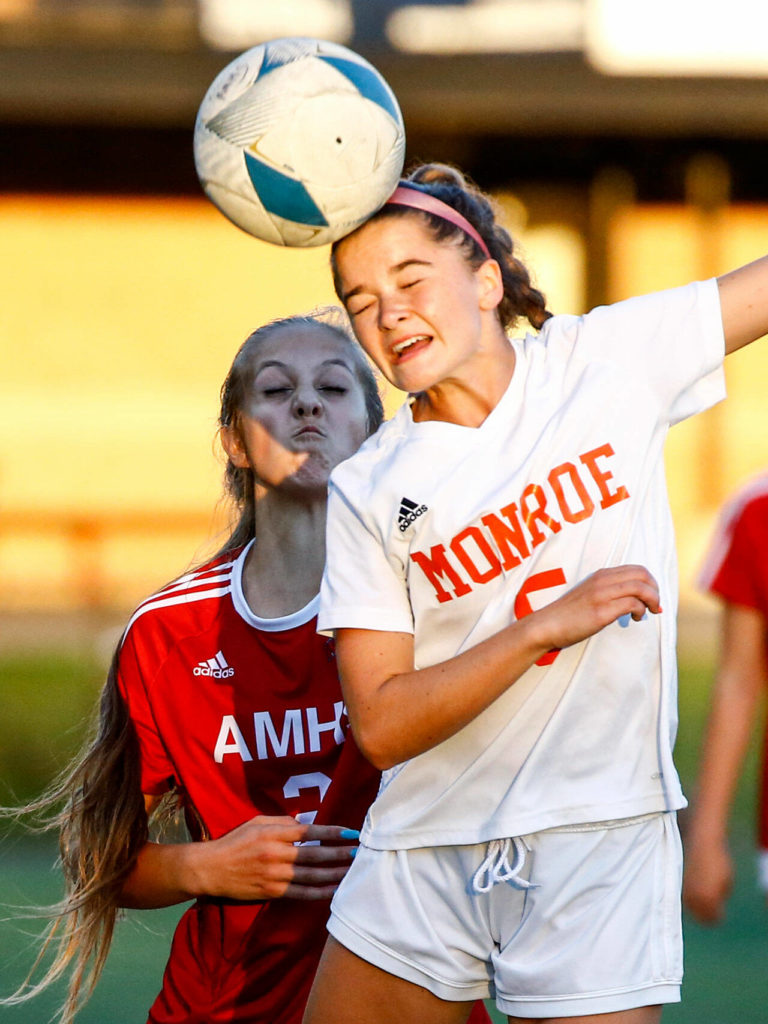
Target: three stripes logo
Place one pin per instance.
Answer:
(409, 513)
(215, 667)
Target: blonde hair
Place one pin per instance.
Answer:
(101, 827)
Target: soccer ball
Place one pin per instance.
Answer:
(298, 141)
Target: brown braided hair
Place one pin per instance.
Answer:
(521, 298)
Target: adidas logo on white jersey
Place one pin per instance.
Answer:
(216, 667)
(409, 513)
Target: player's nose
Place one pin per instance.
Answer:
(392, 312)
(307, 401)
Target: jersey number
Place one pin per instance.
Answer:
(539, 581)
(294, 786)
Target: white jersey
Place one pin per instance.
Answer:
(452, 532)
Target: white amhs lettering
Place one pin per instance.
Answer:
(302, 730)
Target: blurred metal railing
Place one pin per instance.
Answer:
(85, 536)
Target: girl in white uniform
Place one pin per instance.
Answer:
(494, 552)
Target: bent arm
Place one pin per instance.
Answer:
(397, 711)
(744, 304)
(164, 873)
(740, 678)
(259, 860)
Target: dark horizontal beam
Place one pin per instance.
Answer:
(492, 94)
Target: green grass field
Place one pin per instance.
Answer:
(46, 702)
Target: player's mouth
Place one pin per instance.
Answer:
(309, 431)
(408, 347)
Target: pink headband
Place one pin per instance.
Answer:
(405, 195)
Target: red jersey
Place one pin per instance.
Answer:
(737, 571)
(245, 717)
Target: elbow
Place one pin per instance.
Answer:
(377, 748)
(129, 896)
(126, 901)
(132, 893)
(382, 761)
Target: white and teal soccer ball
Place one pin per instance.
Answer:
(298, 141)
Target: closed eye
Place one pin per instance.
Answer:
(359, 310)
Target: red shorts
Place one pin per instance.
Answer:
(242, 963)
(246, 964)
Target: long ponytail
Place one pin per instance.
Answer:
(97, 807)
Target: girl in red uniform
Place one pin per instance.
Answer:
(736, 571)
(223, 695)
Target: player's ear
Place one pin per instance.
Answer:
(232, 443)
(490, 284)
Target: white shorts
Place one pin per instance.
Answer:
(599, 931)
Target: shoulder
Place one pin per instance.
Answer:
(567, 336)
(365, 468)
(661, 304)
(184, 606)
(644, 310)
(740, 537)
(669, 344)
(748, 506)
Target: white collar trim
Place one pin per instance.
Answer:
(298, 618)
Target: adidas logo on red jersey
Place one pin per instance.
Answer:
(215, 667)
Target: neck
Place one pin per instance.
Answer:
(468, 398)
(284, 567)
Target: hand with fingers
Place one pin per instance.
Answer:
(619, 593)
(271, 857)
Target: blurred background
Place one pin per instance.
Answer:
(626, 143)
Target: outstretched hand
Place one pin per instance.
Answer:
(265, 858)
(600, 599)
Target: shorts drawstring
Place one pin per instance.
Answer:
(496, 866)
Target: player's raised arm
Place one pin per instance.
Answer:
(744, 304)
